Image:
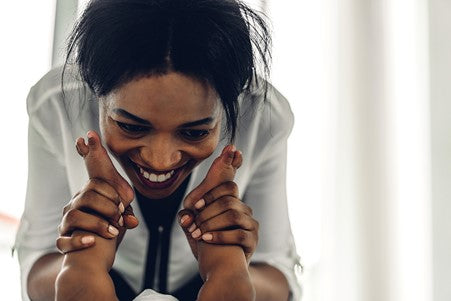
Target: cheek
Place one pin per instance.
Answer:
(115, 143)
(205, 149)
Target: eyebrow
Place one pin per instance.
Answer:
(135, 118)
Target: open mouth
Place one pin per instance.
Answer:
(157, 180)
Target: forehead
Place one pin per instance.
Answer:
(170, 98)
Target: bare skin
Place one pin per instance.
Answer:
(218, 264)
(99, 258)
(137, 132)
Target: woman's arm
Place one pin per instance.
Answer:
(269, 283)
(42, 276)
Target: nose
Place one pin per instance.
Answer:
(161, 154)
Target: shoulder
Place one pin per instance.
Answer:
(267, 117)
(49, 89)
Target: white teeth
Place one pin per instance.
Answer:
(156, 178)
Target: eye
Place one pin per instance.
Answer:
(132, 128)
(194, 135)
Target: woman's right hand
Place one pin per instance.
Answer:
(102, 206)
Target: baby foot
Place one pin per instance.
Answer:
(99, 165)
(222, 169)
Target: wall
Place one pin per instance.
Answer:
(440, 87)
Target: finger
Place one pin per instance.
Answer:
(189, 217)
(243, 238)
(225, 189)
(93, 202)
(220, 206)
(76, 219)
(231, 219)
(130, 220)
(220, 171)
(185, 217)
(68, 244)
(99, 165)
(105, 189)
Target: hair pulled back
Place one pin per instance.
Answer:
(221, 42)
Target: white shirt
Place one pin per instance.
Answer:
(151, 295)
(56, 172)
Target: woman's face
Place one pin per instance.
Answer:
(159, 128)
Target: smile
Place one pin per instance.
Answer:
(156, 178)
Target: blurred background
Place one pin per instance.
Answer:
(369, 182)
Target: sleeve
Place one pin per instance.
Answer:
(47, 191)
(151, 295)
(266, 194)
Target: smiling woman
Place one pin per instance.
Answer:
(158, 153)
(172, 84)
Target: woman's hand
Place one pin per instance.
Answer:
(214, 213)
(102, 206)
(223, 219)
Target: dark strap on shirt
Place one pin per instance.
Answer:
(158, 217)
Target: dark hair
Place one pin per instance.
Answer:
(222, 42)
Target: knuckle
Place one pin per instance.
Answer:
(227, 202)
(208, 197)
(219, 236)
(101, 225)
(59, 244)
(67, 207)
(234, 215)
(93, 182)
(231, 187)
(111, 211)
(257, 225)
(203, 227)
(242, 236)
(88, 197)
(116, 214)
(60, 229)
(207, 226)
(199, 219)
(249, 209)
(71, 216)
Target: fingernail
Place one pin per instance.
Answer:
(191, 228)
(90, 141)
(196, 233)
(121, 207)
(121, 221)
(233, 148)
(183, 219)
(200, 203)
(113, 230)
(87, 240)
(207, 236)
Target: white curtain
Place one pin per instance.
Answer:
(370, 158)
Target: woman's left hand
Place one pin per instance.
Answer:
(223, 219)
